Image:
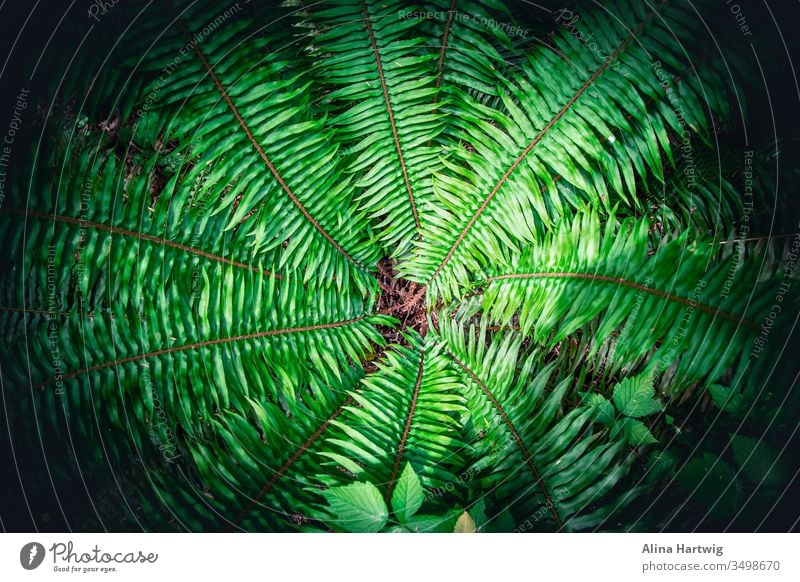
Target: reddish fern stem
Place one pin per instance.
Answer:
(517, 438)
(404, 439)
(536, 140)
(368, 26)
(197, 345)
(291, 461)
(137, 235)
(440, 67)
(445, 37)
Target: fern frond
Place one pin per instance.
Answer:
(578, 273)
(362, 265)
(280, 160)
(548, 466)
(379, 87)
(591, 106)
(406, 412)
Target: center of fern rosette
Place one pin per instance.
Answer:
(402, 299)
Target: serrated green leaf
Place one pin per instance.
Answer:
(634, 397)
(408, 495)
(635, 432)
(602, 408)
(358, 507)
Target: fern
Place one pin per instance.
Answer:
(350, 268)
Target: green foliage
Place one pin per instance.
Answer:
(358, 507)
(634, 397)
(726, 398)
(407, 496)
(202, 292)
(712, 482)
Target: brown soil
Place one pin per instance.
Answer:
(402, 299)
